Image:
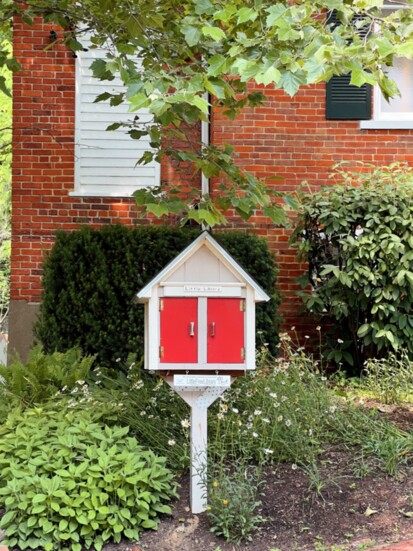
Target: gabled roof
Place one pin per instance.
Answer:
(204, 239)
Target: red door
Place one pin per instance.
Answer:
(179, 330)
(225, 341)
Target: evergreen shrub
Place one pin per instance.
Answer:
(92, 276)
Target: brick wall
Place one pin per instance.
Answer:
(288, 137)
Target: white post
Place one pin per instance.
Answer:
(199, 392)
(199, 433)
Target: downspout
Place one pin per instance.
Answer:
(205, 127)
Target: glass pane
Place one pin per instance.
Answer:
(402, 74)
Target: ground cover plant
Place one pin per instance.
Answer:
(68, 482)
(356, 237)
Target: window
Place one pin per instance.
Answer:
(398, 112)
(105, 161)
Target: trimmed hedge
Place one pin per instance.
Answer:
(92, 276)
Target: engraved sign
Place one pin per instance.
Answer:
(199, 382)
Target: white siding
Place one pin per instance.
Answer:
(105, 162)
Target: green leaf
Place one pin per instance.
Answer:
(192, 35)
(216, 33)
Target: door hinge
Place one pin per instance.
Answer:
(161, 305)
(161, 351)
(242, 305)
(242, 353)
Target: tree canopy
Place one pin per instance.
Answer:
(202, 54)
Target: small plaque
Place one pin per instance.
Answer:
(196, 382)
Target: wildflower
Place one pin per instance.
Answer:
(265, 420)
(219, 416)
(235, 410)
(64, 388)
(185, 423)
(273, 395)
(288, 423)
(268, 451)
(306, 337)
(324, 378)
(80, 383)
(310, 432)
(117, 360)
(279, 418)
(255, 435)
(332, 409)
(171, 442)
(225, 502)
(257, 412)
(284, 398)
(215, 484)
(143, 412)
(293, 328)
(223, 407)
(340, 341)
(294, 467)
(318, 328)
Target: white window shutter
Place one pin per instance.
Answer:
(105, 161)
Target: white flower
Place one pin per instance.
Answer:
(318, 328)
(268, 451)
(171, 442)
(257, 412)
(80, 383)
(294, 467)
(265, 420)
(255, 435)
(185, 423)
(273, 395)
(143, 412)
(220, 416)
(288, 423)
(340, 341)
(279, 418)
(310, 432)
(235, 410)
(306, 337)
(332, 409)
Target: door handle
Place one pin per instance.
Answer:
(212, 329)
(192, 329)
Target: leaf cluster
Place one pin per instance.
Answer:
(69, 483)
(233, 500)
(42, 376)
(92, 276)
(357, 239)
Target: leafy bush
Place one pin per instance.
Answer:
(92, 276)
(68, 482)
(357, 237)
(42, 376)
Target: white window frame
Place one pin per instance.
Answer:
(387, 120)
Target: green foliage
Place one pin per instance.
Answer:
(389, 379)
(233, 499)
(198, 47)
(358, 241)
(92, 276)
(69, 483)
(42, 376)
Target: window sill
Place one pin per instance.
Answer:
(386, 125)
